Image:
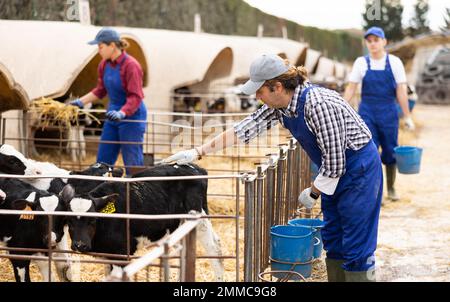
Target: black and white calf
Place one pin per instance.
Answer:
(154, 198)
(14, 162)
(31, 231)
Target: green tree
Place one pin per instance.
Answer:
(446, 27)
(419, 23)
(386, 14)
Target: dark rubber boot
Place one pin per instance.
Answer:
(391, 172)
(368, 276)
(335, 271)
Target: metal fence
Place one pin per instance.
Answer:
(187, 259)
(271, 199)
(268, 194)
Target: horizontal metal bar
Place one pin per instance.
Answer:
(163, 113)
(174, 238)
(123, 180)
(102, 215)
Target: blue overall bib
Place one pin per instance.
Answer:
(378, 109)
(351, 213)
(121, 131)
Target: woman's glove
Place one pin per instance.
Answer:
(78, 103)
(115, 116)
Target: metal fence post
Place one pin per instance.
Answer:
(249, 228)
(270, 192)
(269, 207)
(166, 264)
(280, 188)
(259, 230)
(290, 179)
(189, 256)
(237, 228)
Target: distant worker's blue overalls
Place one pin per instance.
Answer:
(351, 213)
(121, 131)
(378, 109)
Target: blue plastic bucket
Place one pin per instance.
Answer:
(290, 245)
(316, 226)
(411, 104)
(408, 159)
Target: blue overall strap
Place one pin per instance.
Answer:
(368, 62)
(299, 129)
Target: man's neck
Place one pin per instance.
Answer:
(288, 98)
(378, 55)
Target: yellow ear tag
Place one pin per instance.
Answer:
(109, 209)
(25, 216)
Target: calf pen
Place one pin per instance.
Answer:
(260, 182)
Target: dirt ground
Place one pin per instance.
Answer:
(414, 233)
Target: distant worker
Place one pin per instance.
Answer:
(383, 80)
(120, 77)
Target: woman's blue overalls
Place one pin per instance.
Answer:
(351, 213)
(121, 131)
(378, 109)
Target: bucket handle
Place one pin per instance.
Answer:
(317, 241)
(291, 271)
(284, 279)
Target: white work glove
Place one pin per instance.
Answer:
(409, 124)
(183, 157)
(306, 200)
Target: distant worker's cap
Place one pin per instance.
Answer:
(264, 68)
(106, 35)
(376, 31)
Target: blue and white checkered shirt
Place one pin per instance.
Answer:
(336, 125)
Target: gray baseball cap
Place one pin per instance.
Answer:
(264, 68)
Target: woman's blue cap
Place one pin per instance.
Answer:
(106, 35)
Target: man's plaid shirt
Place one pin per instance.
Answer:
(328, 116)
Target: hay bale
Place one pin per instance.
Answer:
(53, 113)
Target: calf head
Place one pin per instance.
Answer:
(13, 162)
(98, 169)
(82, 229)
(101, 169)
(50, 203)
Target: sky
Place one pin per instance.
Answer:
(340, 14)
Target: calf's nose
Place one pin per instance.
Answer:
(81, 246)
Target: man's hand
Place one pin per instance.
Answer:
(183, 157)
(306, 200)
(115, 116)
(409, 123)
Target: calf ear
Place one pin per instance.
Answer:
(117, 172)
(2, 197)
(101, 202)
(67, 194)
(22, 204)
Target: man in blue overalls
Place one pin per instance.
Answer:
(337, 140)
(383, 80)
(121, 78)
